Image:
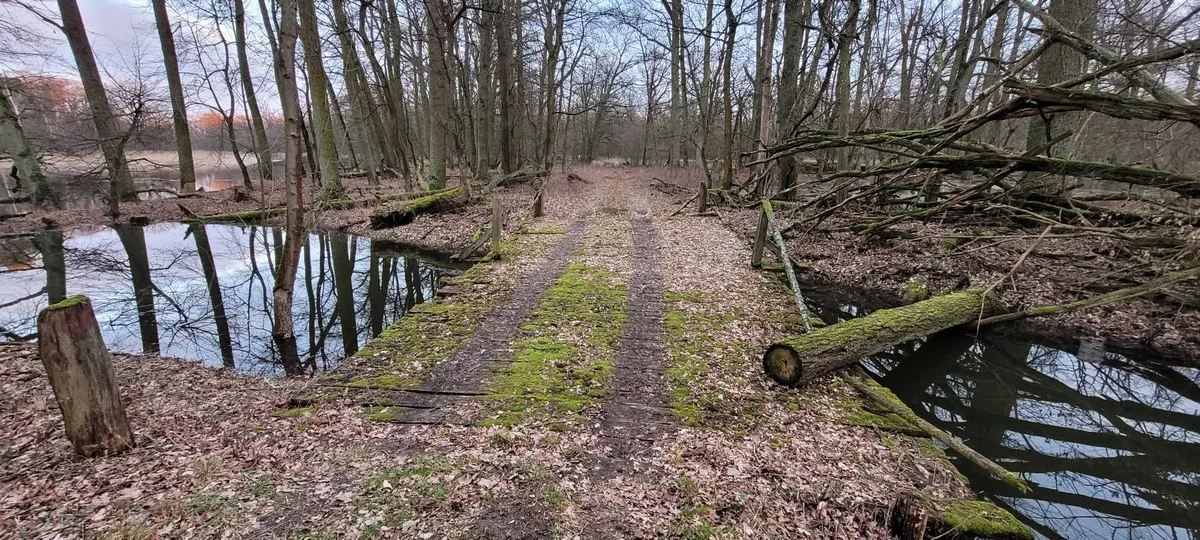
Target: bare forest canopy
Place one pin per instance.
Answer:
(514, 83)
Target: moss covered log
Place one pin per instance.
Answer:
(403, 213)
(918, 515)
(794, 360)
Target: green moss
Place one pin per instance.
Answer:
(982, 519)
(550, 375)
(291, 413)
(952, 242)
(67, 302)
(382, 414)
(694, 353)
(916, 289)
(864, 336)
(386, 381)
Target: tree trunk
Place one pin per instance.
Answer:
(343, 275)
(27, 170)
(107, 130)
(80, 372)
(262, 147)
(405, 212)
(133, 238)
(179, 119)
(731, 28)
(359, 95)
(439, 91)
(213, 283)
(322, 119)
(795, 360)
(283, 331)
(1061, 63)
(789, 87)
(50, 245)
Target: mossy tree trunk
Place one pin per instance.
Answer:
(795, 360)
(405, 212)
(80, 372)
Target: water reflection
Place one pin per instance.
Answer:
(1109, 443)
(203, 292)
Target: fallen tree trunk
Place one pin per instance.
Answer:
(403, 213)
(794, 360)
(899, 409)
(519, 176)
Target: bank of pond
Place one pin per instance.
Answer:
(1107, 440)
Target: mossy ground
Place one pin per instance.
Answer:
(695, 351)
(404, 354)
(564, 358)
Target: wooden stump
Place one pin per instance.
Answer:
(537, 202)
(79, 368)
(760, 240)
(496, 225)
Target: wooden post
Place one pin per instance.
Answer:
(537, 202)
(79, 368)
(703, 198)
(496, 225)
(760, 240)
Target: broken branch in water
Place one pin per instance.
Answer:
(954, 443)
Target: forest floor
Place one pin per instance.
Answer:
(601, 380)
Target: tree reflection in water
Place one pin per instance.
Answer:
(203, 292)
(1109, 443)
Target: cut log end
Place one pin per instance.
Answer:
(782, 363)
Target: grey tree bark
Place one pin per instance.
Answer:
(179, 119)
(111, 140)
(322, 118)
(27, 169)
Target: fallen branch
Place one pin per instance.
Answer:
(1046, 97)
(787, 264)
(685, 205)
(954, 443)
(1103, 299)
(405, 212)
(668, 188)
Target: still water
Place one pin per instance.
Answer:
(203, 292)
(1109, 442)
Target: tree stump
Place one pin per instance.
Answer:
(79, 368)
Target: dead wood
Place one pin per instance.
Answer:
(795, 360)
(894, 406)
(1061, 99)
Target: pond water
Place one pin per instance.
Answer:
(203, 292)
(1109, 442)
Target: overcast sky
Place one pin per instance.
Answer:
(116, 28)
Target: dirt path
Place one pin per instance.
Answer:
(600, 380)
(631, 417)
(491, 345)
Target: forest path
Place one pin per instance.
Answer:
(602, 380)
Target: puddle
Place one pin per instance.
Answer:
(1108, 441)
(149, 288)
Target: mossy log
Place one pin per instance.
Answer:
(405, 212)
(795, 360)
(917, 516)
(893, 405)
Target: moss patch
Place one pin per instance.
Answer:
(564, 360)
(695, 353)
